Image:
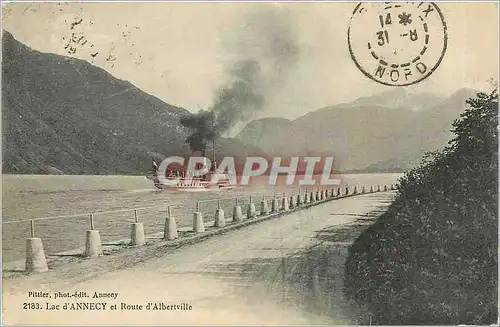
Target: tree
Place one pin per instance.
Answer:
(432, 257)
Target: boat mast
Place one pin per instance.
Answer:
(214, 162)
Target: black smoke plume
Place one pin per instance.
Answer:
(203, 130)
(266, 49)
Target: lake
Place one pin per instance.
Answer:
(36, 196)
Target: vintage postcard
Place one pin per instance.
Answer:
(249, 163)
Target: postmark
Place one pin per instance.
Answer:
(396, 43)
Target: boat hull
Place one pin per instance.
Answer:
(191, 188)
(182, 185)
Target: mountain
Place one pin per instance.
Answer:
(399, 99)
(386, 132)
(263, 131)
(62, 115)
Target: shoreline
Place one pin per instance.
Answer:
(155, 242)
(299, 277)
(81, 196)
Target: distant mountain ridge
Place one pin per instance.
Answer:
(385, 132)
(64, 115)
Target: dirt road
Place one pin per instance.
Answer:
(287, 270)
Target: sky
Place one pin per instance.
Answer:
(182, 52)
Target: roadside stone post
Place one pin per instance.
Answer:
(36, 262)
(198, 224)
(355, 190)
(371, 188)
(264, 206)
(251, 209)
(299, 200)
(137, 237)
(284, 203)
(170, 231)
(275, 204)
(338, 191)
(220, 220)
(378, 188)
(292, 202)
(363, 190)
(237, 213)
(93, 246)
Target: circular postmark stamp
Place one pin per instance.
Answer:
(397, 44)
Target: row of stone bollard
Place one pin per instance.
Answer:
(35, 255)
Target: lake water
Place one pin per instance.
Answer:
(35, 196)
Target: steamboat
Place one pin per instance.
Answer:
(181, 179)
